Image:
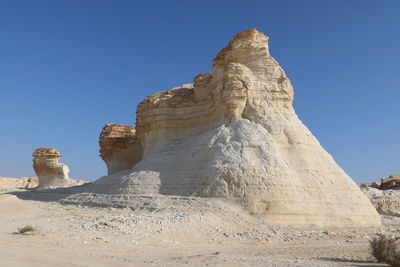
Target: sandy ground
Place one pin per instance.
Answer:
(69, 235)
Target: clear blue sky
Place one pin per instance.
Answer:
(67, 67)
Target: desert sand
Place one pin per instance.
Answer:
(164, 235)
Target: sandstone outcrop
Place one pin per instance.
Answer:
(234, 134)
(392, 182)
(50, 172)
(119, 147)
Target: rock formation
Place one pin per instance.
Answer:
(50, 172)
(119, 147)
(392, 182)
(234, 134)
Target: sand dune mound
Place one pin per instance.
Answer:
(234, 135)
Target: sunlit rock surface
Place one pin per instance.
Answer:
(234, 134)
(49, 170)
(119, 147)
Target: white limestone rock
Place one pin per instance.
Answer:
(50, 172)
(235, 135)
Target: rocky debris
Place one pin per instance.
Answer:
(391, 182)
(371, 184)
(50, 172)
(387, 203)
(234, 134)
(119, 147)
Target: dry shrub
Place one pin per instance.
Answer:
(27, 229)
(385, 250)
(395, 260)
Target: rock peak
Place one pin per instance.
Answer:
(250, 33)
(245, 47)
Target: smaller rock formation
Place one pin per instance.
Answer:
(50, 172)
(119, 147)
(393, 181)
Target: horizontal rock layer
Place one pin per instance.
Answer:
(119, 147)
(50, 172)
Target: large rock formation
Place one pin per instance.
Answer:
(119, 147)
(50, 172)
(234, 134)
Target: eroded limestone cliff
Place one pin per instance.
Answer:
(234, 134)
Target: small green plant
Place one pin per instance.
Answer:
(27, 229)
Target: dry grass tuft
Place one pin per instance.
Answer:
(395, 260)
(385, 250)
(27, 229)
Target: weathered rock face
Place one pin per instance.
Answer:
(50, 172)
(119, 147)
(234, 134)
